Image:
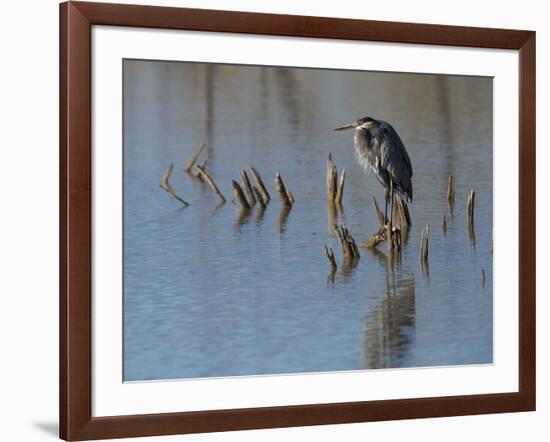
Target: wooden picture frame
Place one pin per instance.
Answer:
(76, 21)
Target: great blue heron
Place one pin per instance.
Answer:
(379, 148)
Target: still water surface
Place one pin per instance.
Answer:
(210, 291)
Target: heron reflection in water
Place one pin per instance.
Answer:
(390, 327)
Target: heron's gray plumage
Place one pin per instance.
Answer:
(380, 150)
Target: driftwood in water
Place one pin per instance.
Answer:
(286, 199)
(194, 158)
(167, 187)
(450, 190)
(393, 235)
(290, 197)
(470, 207)
(340, 189)
(401, 216)
(375, 239)
(335, 188)
(424, 243)
(203, 166)
(379, 215)
(259, 197)
(330, 256)
(248, 188)
(239, 195)
(382, 233)
(405, 208)
(332, 179)
(472, 234)
(260, 185)
(347, 243)
(283, 216)
(211, 183)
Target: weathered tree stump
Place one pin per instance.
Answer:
(248, 188)
(260, 185)
(286, 199)
(239, 195)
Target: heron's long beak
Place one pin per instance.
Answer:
(347, 126)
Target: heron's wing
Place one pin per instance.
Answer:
(395, 159)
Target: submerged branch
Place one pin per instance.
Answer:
(211, 183)
(167, 187)
(194, 158)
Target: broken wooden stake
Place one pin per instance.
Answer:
(404, 207)
(248, 188)
(260, 185)
(393, 235)
(286, 200)
(211, 183)
(470, 207)
(259, 197)
(332, 178)
(291, 197)
(340, 189)
(379, 214)
(335, 188)
(375, 239)
(194, 158)
(450, 190)
(203, 165)
(347, 243)
(239, 195)
(167, 187)
(330, 256)
(424, 243)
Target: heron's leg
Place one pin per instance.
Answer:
(386, 198)
(391, 204)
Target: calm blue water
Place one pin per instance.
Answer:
(211, 291)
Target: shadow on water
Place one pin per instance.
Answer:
(260, 212)
(243, 217)
(168, 216)
(472, 235)
(216, 208)
(283, 216)
(343, 274)
(390, 326)
(425, 268)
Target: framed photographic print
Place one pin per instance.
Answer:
(272, 220)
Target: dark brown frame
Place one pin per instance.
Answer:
(76, 421)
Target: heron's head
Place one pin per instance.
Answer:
(361, 122)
